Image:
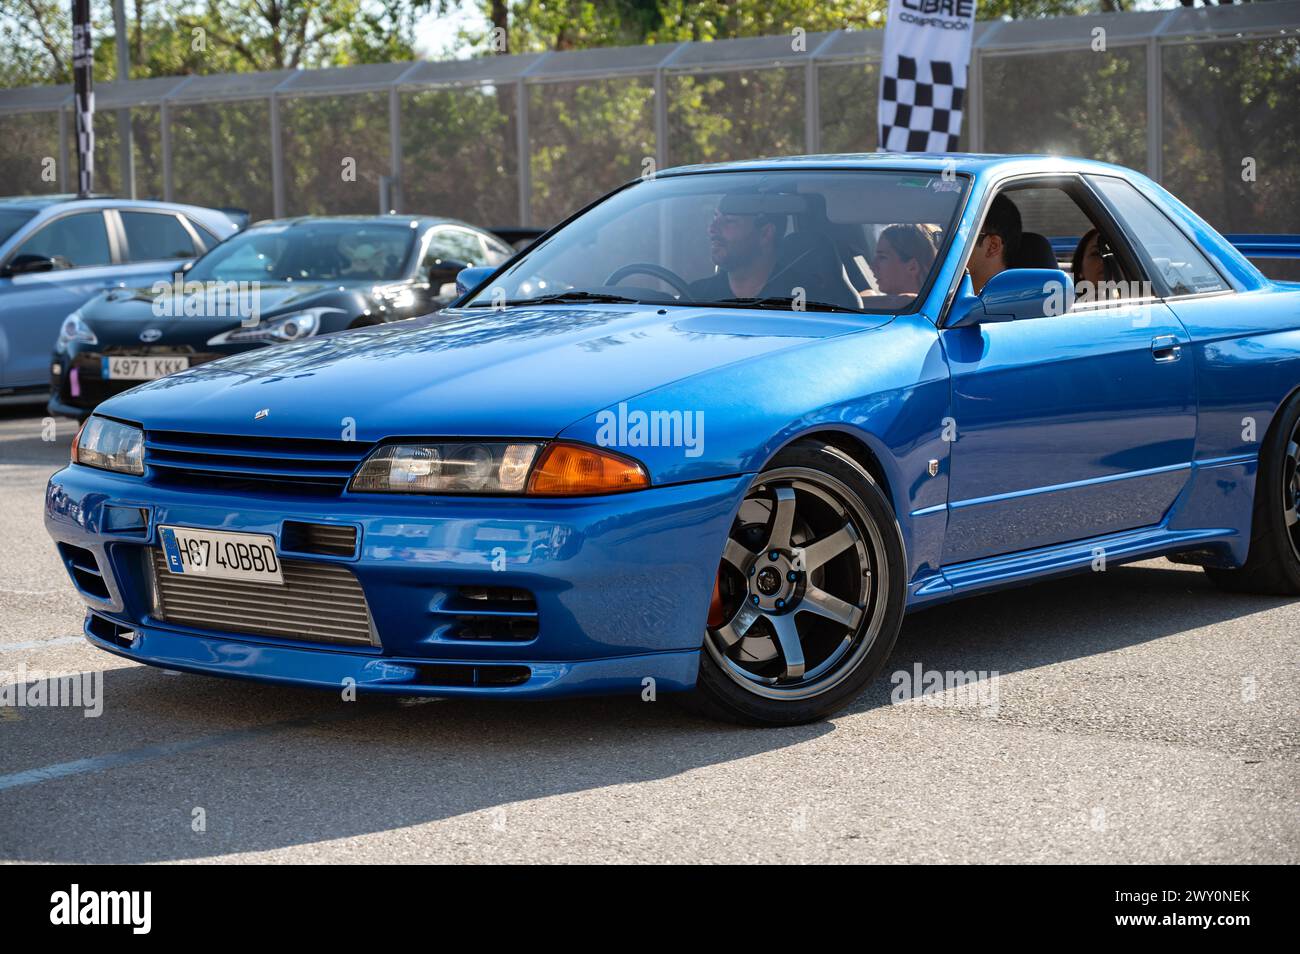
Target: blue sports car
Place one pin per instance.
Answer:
(715, 434)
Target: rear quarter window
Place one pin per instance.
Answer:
(154, 236)
(1172, 258)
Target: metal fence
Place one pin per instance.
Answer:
(1205, 100)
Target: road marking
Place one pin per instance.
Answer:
(41, 643)
(101, 763)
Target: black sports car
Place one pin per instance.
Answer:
(277, 281)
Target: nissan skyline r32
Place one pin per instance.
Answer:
(717, 433)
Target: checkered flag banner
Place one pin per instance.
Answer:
(923, 74)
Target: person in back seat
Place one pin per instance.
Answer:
(904, 256)
(997, 244)
(1087, 264)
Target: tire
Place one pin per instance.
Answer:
(1272, 566)
(805, 615)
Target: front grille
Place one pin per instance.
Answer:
(320, 602)
(323, 466)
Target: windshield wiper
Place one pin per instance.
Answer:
(560, 298)
(780, 303)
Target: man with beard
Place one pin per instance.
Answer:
(743, 246)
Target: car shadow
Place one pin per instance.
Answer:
(1081, 615)
(288, 767)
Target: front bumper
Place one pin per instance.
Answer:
(621, 583)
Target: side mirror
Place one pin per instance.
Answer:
(1013, 295)
(471, 278)
(443, 271)
(28, 264)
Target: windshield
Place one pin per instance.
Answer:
(310, 251)
(843, 240)
(11, 220)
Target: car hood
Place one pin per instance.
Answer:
(507, 373)
(119, 316)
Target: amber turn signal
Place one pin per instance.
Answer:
(76, 439)
(574, 470)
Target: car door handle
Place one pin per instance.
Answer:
(1166, 348)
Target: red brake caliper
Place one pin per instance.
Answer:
(716, 616)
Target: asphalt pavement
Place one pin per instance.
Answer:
(1133, 715)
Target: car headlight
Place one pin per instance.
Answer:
(109, 445)
(74, 329)
(301, 324)
(478, 467)
(395, 296)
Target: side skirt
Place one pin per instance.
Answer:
(1221, 491)
(1014, 569)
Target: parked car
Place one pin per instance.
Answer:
(275, 282)
(716, 434)
(58, 251)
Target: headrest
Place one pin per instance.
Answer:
(1035, 251)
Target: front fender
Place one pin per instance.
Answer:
(886, 388)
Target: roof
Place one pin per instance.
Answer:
(416, 220)
(38, 202)
(961, 163)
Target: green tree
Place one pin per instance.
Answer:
(169, 38)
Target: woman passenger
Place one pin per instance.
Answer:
(904, 256)
(1087, 264)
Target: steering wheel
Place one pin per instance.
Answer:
(665, 275)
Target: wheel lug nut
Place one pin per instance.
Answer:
(773, 556)
(754, 599)
(792, 576)
(780, 604)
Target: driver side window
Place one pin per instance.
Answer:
(1057, 231)
(73, 241)
(450, 250)
(451, 245)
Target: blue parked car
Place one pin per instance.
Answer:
(58, 251)
(716, 434)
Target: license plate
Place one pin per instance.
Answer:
(221, 555)
(140, 367)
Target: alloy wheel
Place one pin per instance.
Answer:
(1291, 491)
(799, 597)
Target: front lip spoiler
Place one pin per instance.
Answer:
(329, 667)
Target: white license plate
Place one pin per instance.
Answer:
(221, 555)
(141, 367)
